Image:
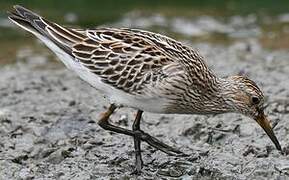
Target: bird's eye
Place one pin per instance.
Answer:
(255, 100)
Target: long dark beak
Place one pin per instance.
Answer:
(265, 124)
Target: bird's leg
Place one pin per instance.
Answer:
(103, 122)
(160, 145)
(137, 141)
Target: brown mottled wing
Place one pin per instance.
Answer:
(191, 61)
(121, 58)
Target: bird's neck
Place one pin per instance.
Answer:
(207, 99)
(202, 97)
(219, 99)
(224, 95)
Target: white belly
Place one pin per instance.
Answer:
(115, 96)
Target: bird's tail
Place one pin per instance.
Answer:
(62, 37)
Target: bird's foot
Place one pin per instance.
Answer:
(154, 142)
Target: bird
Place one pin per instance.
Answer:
(148, 72)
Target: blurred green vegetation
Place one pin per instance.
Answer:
(92, 13)
(95, 12)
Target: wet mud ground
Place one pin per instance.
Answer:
(48, 126)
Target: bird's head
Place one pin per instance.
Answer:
(245, 97)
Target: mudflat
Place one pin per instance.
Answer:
(48, 126)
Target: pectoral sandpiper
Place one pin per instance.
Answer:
(148, 72)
